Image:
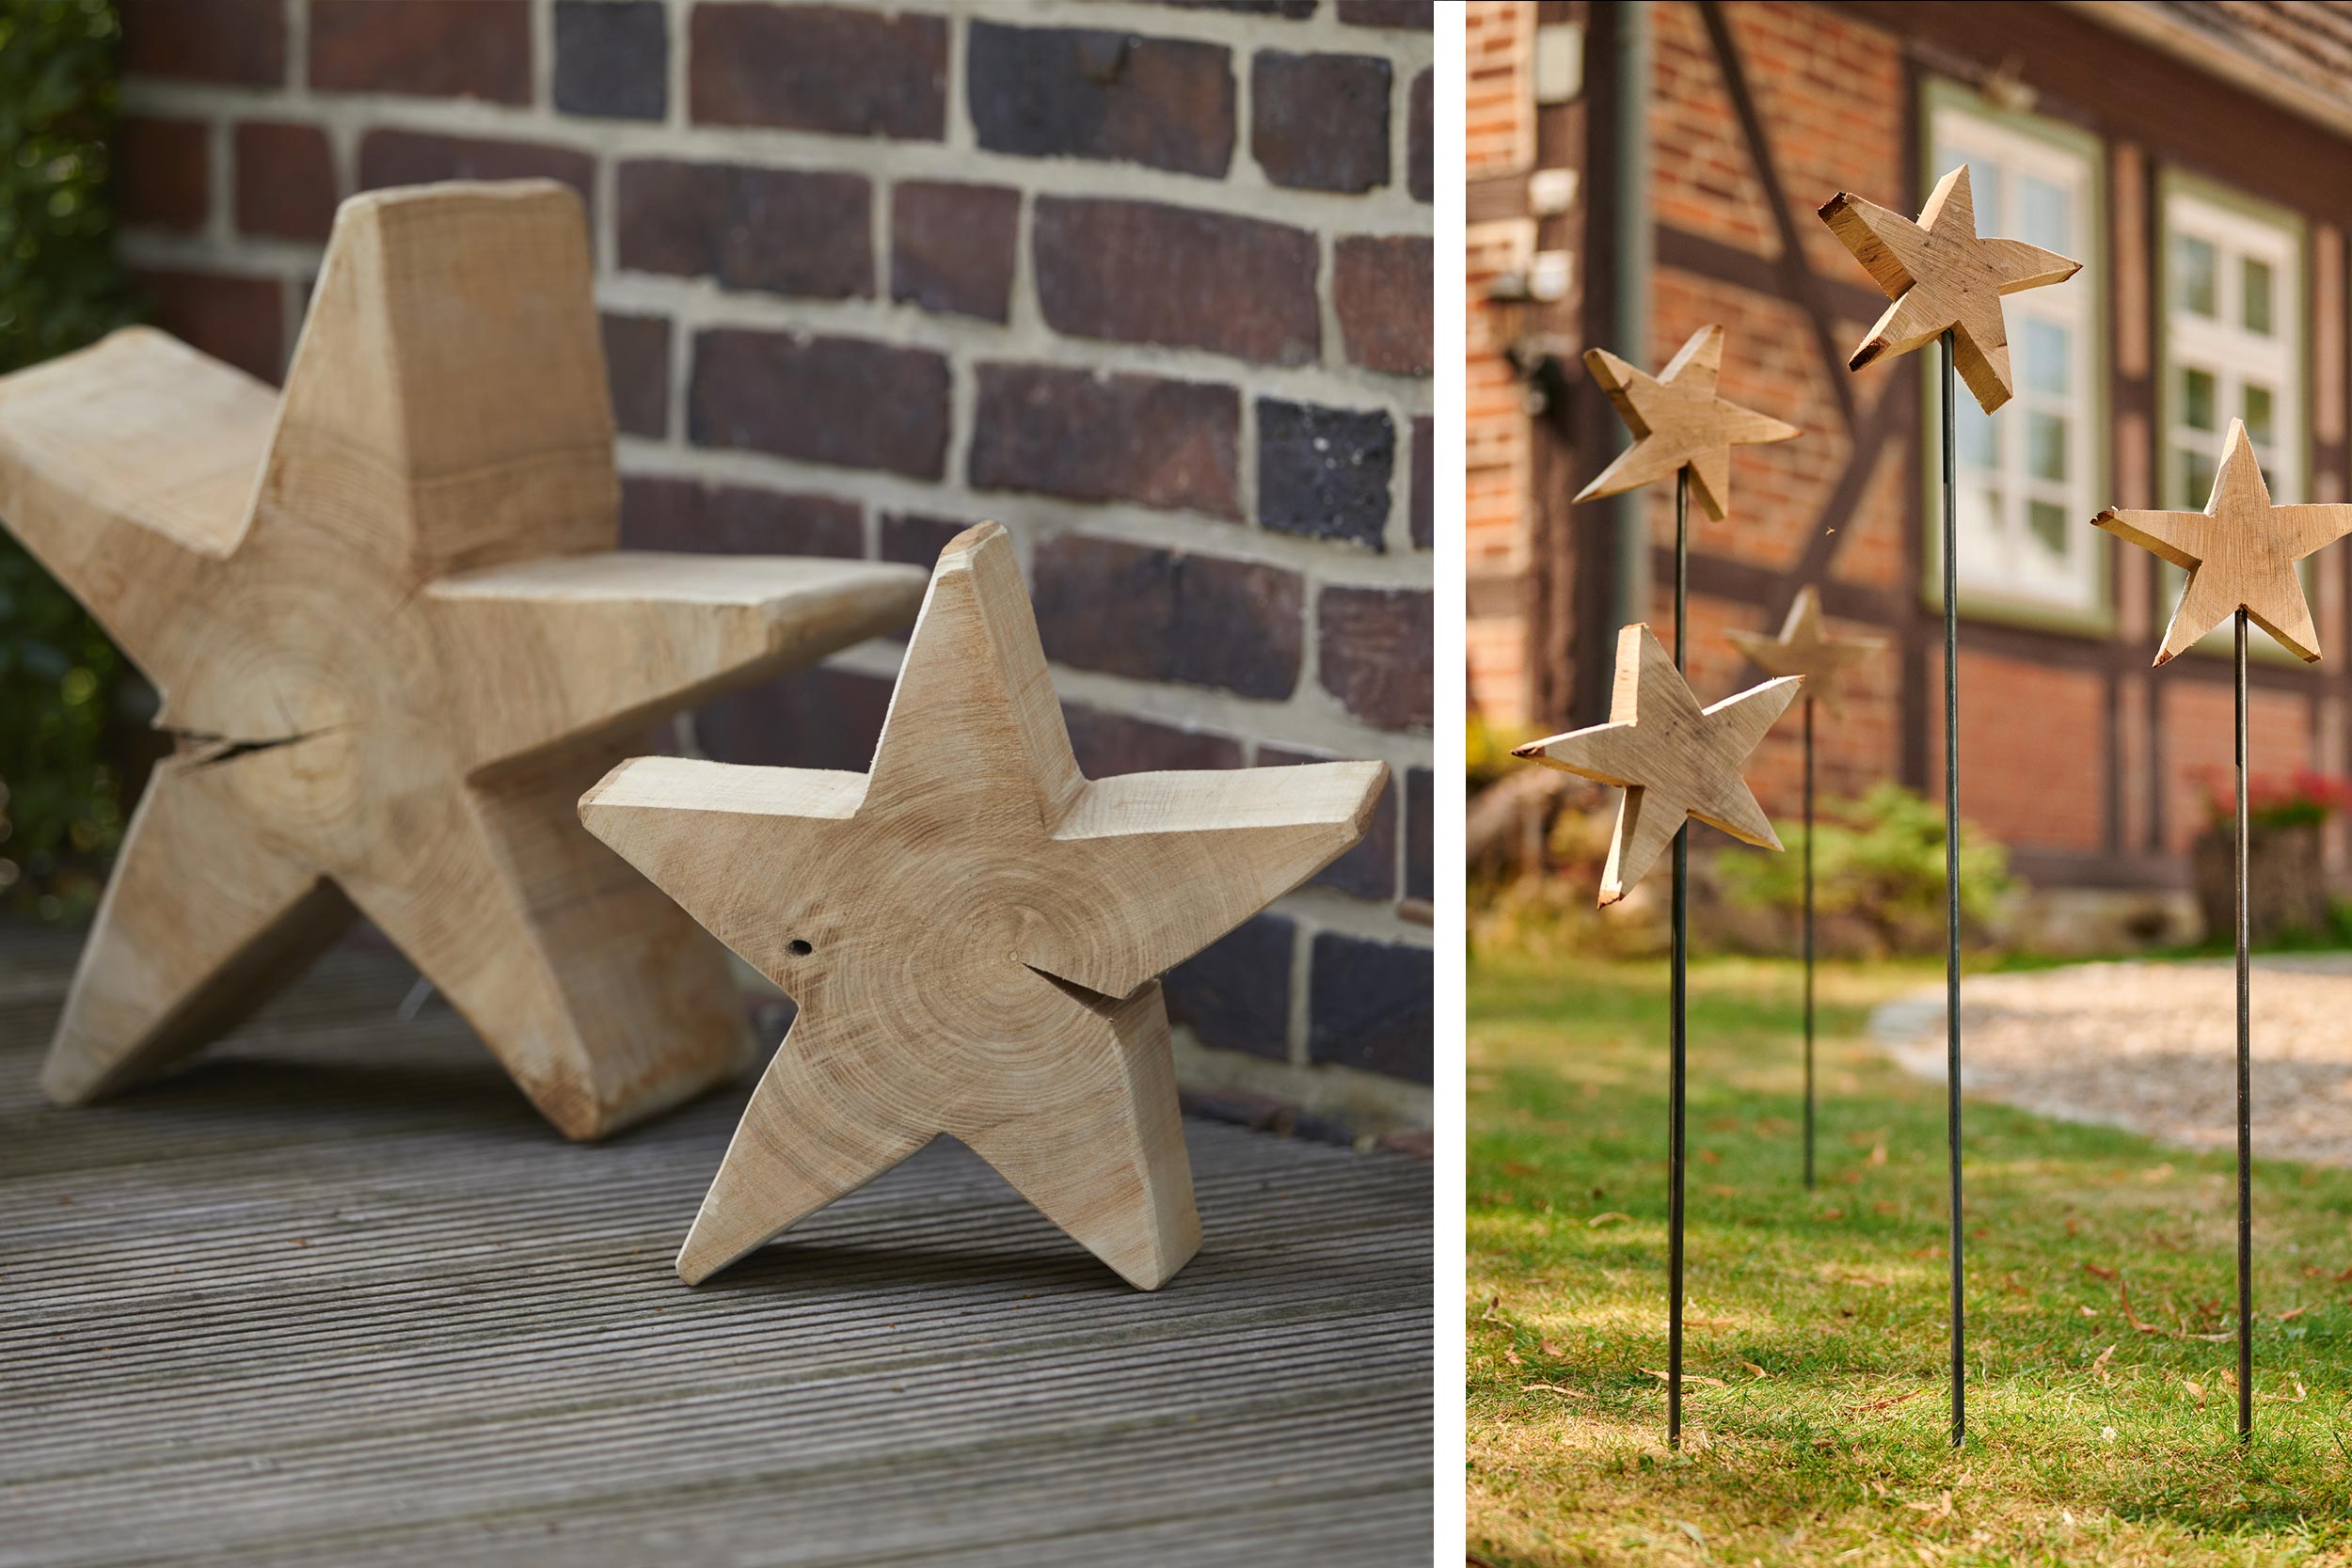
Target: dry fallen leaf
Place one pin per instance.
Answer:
(2195, 1389)
(1694, 1440)
(1512, 1356)
(2099, 1368)
(1610, 1218)
(1549, 1348)
(2092, 1269)
(2088, 1312)
(2293, 1313)
(1755, 1370)
(1878, 1150)
(1553, 1388)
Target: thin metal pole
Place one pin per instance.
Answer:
(2245, 1087)
(1680, 994)
(1808, 944)
(1952, 902)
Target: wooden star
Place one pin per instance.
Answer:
(1673, 759)
(393, 642)
(972, 931)
(2240, 553)
(1940, 275)
(1803, 649)
(1677, 420)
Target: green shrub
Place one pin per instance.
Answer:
(66, 698)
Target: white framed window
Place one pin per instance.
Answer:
(2027, 480)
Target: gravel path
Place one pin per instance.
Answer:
(2151, 1047)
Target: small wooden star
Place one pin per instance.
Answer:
(1677, 420)
(1673, 759)
(972, 931)
(1941, 275)
(1803, 649)
(2240, 553)
(394, 641)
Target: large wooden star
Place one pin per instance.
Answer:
(1803, 648)
(972, 931)
(2239, 552)
(393, 642)
(1941, 275)
(1673, 759)
(1677, 420)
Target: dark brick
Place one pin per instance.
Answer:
(1155, 614)
(662, 512)
(1320, 123)
(240, 320)
(612, 61)
(1372, 1005)
(1418, 136)
(206, 41)
(447, 49)
(285, 181)
(1414, 14)
(420, 158)
(1292, 11)
(820, 718)
(1324, 473)
(913, 540)
(1367, 870)
(1373, 653)
(1381, 288)
(1139, 272)
(162, 172)
(637, 364)
(786, 231)
(1424, 503)
(849, 71)
(1109, 743)
(1095, 438)
(1419, 834)
(1081, 92)
(843, 400)
(952, 246)
(1236, 992)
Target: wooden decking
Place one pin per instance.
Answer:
(334, 1295)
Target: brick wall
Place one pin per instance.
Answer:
(1148, 283)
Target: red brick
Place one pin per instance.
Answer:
(1320, 123)
(239, 41)
(1071, 433)
(1195, 619)
(843, 400)
(1081, 92)
(637, 366)
(447, 49)
(160, 173)
(819, 68)
(779, 231)
(662, 512)
(421, 158)
(952, 246)
(1368, 869)
(1139, 272)
(285, 181)
(1372, 652)
(1381, 288)
(1109, 743)
(240, 320)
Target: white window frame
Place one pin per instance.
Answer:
(2006, 569)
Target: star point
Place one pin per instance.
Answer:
(1803, 648)
(1677, 420)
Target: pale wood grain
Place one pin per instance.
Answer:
(1941, 277)
(394, 641)
(1804, 648)
(1678, 421)
(2240, 553)
(1674, 759)
(970, 930)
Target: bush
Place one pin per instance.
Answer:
(66, 698)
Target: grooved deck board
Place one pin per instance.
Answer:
(335, 1294)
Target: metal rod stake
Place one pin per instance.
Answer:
(2245, 1086)
(1680, 1003)
(1808, 944)
(1951, 901)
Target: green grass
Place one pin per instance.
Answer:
(1823, 1314)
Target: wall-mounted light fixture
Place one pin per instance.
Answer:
(1538, 357)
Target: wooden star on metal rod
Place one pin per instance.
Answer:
(1803, 648)
(972, 931)
(1678, 421)
(394, 641)
(1941, 277)
(2240, 552)
(1673, 759)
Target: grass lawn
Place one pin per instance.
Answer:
(1817, 1320)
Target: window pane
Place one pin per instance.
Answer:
(1984, 182)
(1979, 437)
(2048, 522)
(2045, 217)
(2257, 291)
(2258, 410)
(2046, 347)
(2197, 399)
(2193, 268)
(2192, 479)
(2046, 446)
